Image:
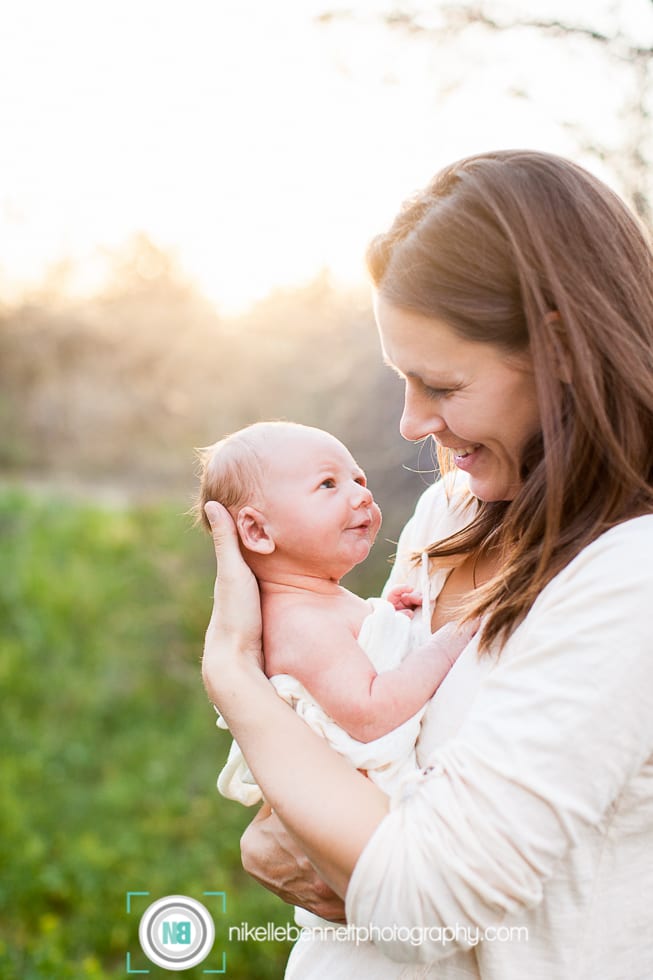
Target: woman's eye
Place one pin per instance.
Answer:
(328, 484)
(437, 392)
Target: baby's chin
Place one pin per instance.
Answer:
(366, 547)
(346, 565)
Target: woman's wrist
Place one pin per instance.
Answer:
(234, 670)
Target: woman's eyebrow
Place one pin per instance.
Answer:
(416, 376)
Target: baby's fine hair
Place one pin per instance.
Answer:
(231, 471)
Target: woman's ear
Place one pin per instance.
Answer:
(558, 338)
(253, 531)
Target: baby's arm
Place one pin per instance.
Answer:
(325, 657)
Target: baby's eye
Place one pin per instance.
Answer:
(328, 484)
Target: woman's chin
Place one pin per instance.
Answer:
(491, 490)
(490, 493)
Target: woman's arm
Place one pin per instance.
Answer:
(555, 733)
(553, 754)
(330, 808)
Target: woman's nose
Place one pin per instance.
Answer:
(420, 418)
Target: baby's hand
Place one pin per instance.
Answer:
(405, 599)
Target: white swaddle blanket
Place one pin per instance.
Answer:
(386, 636)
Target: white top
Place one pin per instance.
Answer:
(534, 807)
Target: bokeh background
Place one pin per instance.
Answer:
(186, 191)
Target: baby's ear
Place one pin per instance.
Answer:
(253, 531)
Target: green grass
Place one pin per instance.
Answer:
(109, 746)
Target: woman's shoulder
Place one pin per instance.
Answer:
(625, 547)
(614, 572)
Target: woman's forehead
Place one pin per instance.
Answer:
(413, 343)
(431, 350)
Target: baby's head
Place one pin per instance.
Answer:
(294, 492)
(232, 470)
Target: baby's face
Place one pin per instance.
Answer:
(317, 502)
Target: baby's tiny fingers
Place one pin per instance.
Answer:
(415, 598)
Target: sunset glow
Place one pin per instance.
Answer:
(255, 142)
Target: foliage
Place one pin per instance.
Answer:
(110, 752)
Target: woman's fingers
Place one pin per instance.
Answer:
(273, 858)
(235, 625)
(225, 543)
(236, 600)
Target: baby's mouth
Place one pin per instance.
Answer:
(362, 525)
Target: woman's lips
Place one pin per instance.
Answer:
(465, 456)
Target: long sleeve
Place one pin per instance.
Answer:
(551, 760)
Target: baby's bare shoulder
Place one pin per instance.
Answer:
(297, 628)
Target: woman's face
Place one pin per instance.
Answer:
(472, 397)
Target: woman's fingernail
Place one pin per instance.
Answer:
(210, 511)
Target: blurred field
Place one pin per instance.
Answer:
(109, 747)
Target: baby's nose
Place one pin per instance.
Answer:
(363, 496)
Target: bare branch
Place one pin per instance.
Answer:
(458, 17)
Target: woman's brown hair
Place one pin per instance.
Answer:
(528, 251)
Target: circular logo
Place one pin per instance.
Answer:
(176, 932)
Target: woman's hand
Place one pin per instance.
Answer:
(330, 808)
(272, 856)
(233, 636)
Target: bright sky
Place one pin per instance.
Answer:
(254, 142)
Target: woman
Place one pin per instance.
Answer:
(515, 297)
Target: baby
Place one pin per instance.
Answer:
(358, 671)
